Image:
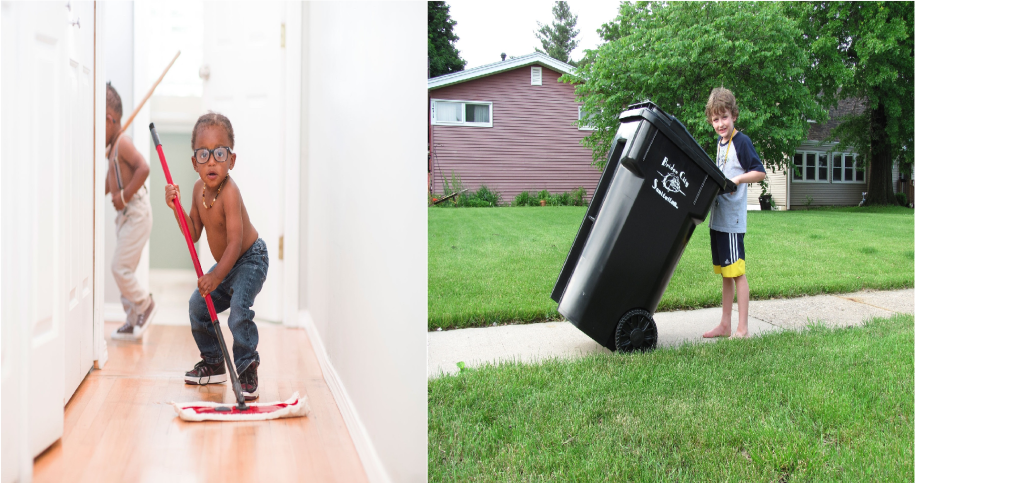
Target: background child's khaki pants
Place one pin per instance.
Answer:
(133, 226)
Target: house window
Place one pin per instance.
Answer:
(460, 113)
(845, 169)
(810, 166)
(584, 126)
(535, 76)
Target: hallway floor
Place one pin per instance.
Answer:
(120, 425)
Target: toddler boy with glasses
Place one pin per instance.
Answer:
(241, 255)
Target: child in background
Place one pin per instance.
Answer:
(241, 255)
(739, 161)
(127, 171)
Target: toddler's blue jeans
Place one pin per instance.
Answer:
(237, 291)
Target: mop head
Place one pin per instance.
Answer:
(207, 411)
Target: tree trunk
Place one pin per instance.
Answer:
(880, 167)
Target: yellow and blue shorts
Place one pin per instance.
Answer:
(727, 254)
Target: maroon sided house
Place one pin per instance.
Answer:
(510, 126)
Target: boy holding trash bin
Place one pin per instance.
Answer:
(739, 162)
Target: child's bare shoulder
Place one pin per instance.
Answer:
(231, 193)
(124, 143)
(231, 186)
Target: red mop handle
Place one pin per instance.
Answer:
(181, 220)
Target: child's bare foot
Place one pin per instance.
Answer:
(719, 331)
(740, 335)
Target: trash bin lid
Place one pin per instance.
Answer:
(677, 133)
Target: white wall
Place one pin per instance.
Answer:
(119, 46)
(365, 228)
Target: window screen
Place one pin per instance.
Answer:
(478, 113)
(448, 112)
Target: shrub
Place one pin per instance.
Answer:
(469, 201)
(901, 198)
(576, 197)
(563, 199)
(483, 198)
(526, 199)
(492, 198)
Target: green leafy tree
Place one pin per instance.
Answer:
(675, 53)
(442, 56)
(559, 38)
(866, 51)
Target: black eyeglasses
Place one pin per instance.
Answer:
(220, 154)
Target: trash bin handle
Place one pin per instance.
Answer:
(629, 162)
(730, 187)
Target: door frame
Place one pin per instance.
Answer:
(292, 165)
(99, 262)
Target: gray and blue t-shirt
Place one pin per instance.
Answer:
(729, 212)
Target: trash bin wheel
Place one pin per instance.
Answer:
(636, 331)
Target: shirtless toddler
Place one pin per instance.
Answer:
(127, 171)
(241, 255)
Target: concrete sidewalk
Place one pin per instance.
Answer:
(537, 342)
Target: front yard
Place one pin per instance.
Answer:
(813, 405)
(499, 265)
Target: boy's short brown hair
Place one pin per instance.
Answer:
(721, 100)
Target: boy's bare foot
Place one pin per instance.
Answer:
(740, 335)
(719, 331)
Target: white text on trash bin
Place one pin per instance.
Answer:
(672, 182)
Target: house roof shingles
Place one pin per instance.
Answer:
(500, 66)
(820, 131)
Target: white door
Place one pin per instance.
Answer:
(18, 178)
(245, 57)
(77, 174)
(44, 74)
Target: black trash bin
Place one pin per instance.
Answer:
(657, 187)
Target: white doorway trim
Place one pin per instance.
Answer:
(292, 154)
(99, 261)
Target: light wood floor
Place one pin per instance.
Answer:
(120, 425)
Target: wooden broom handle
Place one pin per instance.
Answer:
(131, 118)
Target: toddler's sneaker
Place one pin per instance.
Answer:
(142, 323)
(203, 374)
(135, 324)
(250, 382)
(126, 331)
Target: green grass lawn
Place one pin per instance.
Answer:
(499, 265)
(813, 405)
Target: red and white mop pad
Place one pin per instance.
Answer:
(293, 407)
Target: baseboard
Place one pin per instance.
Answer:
(360, 437)
(113, 312)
